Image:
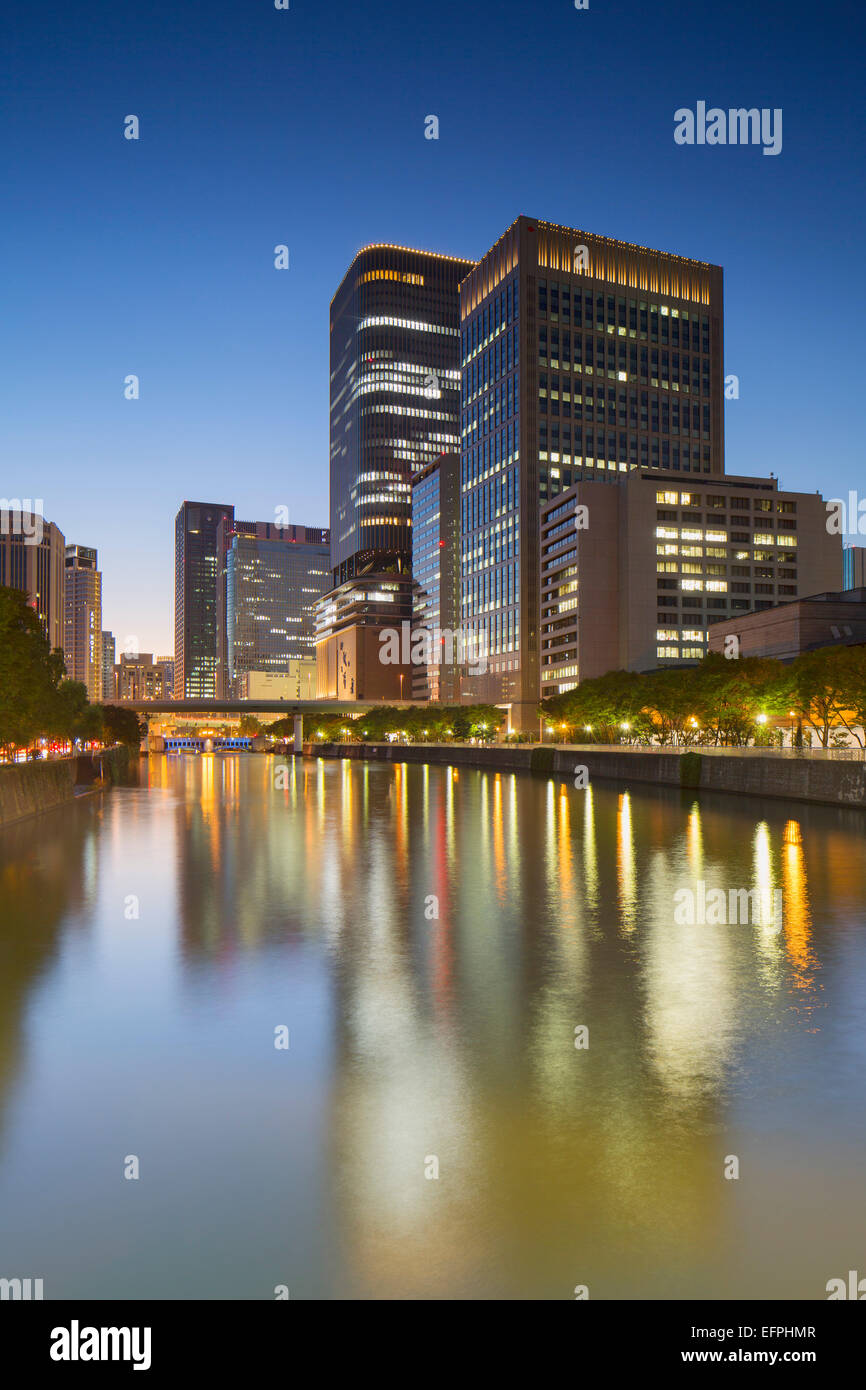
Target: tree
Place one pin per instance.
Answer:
(67, 710)
(29, 672)
(819, 680)
(122, 726)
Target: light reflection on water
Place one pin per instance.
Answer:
(432, 937)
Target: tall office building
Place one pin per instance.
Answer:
(82, 629)
(395, 398)
(270, 577)
(167, 665)
(582, 357)
(395, 407)
(634, 575)
(854, 567)
(436, 579)
(109, 656)
(33, 559)
(196, 572)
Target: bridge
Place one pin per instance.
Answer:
(157, 712)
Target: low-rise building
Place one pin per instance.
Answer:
(835, 619)
(635, 571)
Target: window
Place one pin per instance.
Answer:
(692, 584)
(716, 536)
(664, 652)
(718, 586)
(764, 538)
(667, 634)
(669, 498)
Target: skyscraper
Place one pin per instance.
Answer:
(33, 559)
(436, 577)
(395, 398)
(82, 632)
(270, 577)
(395, 407)
(109, 656)
(854, 567)
(582, 357)
(196, 568)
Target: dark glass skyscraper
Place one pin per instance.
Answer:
(395, 398)
(196, 564)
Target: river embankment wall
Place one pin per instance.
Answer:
(788, 778)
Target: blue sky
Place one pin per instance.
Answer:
(306, 127)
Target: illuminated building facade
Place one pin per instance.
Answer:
(196, 571)
(350, 624)
(109, 657)
(38, 569)
(82, 623)
(633, 575)
(140, 677)
(581, 357)
(395, 398)
(270, 577)
(436, 576)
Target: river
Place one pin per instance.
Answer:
(510, 1071)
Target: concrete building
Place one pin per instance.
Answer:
(298, 682)
(269, 579)
(854, 567)
(82, 628)
(139, 677)
(785, 630)
(582, 358)
(634, 575)
(356, 628)
(436, 578)
(196, 569)
(109, 658)
(33, 560)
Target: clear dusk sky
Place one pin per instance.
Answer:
(261, 126)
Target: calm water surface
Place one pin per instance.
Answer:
(416, 1037)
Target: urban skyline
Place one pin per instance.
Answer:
(242, 374)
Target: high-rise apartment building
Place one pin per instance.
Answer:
(109, 656)
(33, 559)
(633, 575)
(82, 629)
(436, 579)
(270, 577)
(582, 357)
(196, 572)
